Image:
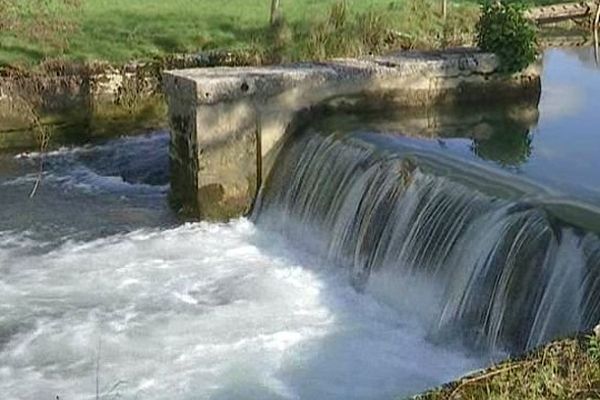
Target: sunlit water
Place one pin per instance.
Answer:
(563, 144)
(566, 140)
(104, 292)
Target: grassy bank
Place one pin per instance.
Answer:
(565, 369)
(124, 30)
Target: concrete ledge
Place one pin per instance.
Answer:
(227, 124)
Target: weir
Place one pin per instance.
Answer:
(325, 154)
(467, 233)
(495, 261)
(228, 124)
(481, 257)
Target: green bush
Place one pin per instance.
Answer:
(502, 29)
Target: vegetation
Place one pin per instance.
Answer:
(502, 29)
(46, 22)
(124, 30)
(404, 24)
(566, 369)
(76, 39)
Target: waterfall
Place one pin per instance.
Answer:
(498, 273)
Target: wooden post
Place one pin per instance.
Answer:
(596, 48)
(595, 27)
(274, 10)
(444, 9)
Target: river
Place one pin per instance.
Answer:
(105, 293)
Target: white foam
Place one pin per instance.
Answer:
(202, 311)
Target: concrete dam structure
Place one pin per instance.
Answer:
(228, 124)
(348, 160)
(407, 220)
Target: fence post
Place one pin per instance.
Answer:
(274, 10)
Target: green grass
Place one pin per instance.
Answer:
(124, 30)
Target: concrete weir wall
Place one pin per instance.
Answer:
(227, 124)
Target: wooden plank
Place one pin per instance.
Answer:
(563, 11)
(565, 41)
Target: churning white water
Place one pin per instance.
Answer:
(200, 311)
(103, 295)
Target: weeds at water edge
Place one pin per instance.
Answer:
(565, 369)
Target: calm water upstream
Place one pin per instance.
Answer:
(104, 291)
(561, 147)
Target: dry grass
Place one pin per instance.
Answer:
(565, 369)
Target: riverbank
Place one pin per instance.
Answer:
(57, 83)
(120, 31)
(564, 369)
(106, 95)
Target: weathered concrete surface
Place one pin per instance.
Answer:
(228, 123)
(89, 99)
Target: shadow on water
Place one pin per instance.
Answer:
(500, 134)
